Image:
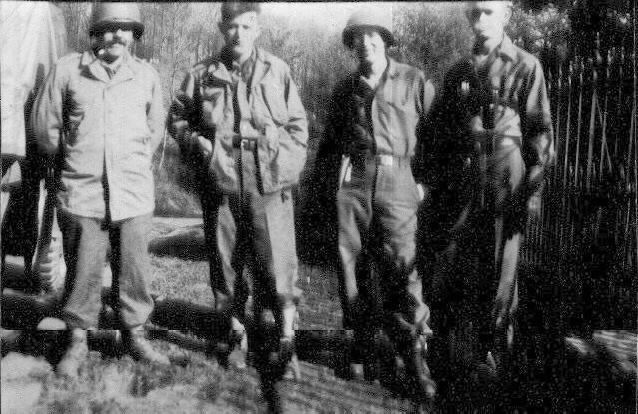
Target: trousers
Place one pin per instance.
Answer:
(85, 241)
(377, 213)
(251, 231)
(488, 235)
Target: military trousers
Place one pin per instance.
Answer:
(377, 211)
(251, 240)
(85, 241)
(488, 235)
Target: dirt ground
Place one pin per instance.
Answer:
(110, 382)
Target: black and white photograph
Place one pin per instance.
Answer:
(319, 207)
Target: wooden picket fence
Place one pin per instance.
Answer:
(587, 235)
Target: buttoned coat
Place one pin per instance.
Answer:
(205, 108)
(105, 131)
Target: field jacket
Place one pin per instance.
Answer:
(204, 107)
(105, 131)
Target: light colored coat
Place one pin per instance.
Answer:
(105, 129)
(33, 38)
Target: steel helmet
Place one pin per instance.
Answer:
(369, 17)
(124, 14)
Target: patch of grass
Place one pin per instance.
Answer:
(181, 279)
(198, 384)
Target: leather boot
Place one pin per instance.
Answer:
(287, 351)
(232, 349)
(288, 357)
(140, 349)
(363, 363)
(76, 352)
(417, 370)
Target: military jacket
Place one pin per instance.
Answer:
(204, 107)
(105, 131)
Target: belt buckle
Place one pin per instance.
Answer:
(247, 144)
(385, 160)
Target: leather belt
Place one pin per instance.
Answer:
(248, 144)
(385, 160)
(390, 160)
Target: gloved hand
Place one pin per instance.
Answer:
(183, 108)
(182, 116)
(205, 147)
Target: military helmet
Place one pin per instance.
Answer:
(373, 18)
(121, 14)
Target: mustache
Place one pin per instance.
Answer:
(115, 42)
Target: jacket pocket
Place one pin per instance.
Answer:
(73, 126)
(275, 100)
(212, 105)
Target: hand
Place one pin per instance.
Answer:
(420, 191)
(534, 206)
(205, 147)
(424, 191)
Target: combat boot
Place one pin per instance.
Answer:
(232, 349)
(76, 352)
(288, 358)
(363, 357)
(140, 349)
(417, 370)
(287, 352)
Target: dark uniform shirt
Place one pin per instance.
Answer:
(510, 86)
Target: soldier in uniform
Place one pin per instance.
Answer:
(241, 125)
(376, 122)
(496, 116)
(99, 118)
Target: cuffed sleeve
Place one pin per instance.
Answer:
(155, 113)
(47, 118)
(538, 140)
(182, 117)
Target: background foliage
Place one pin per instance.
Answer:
(431, 36)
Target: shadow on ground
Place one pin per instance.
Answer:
(183, 243)
(565, 377)
(553, 371)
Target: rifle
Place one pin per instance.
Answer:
(592, 125)
(47, 265)
(579, 119)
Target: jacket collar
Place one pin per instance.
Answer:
(392, 71)
(507, 48)
(92, 64)
(219, 71)
(262, 66)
